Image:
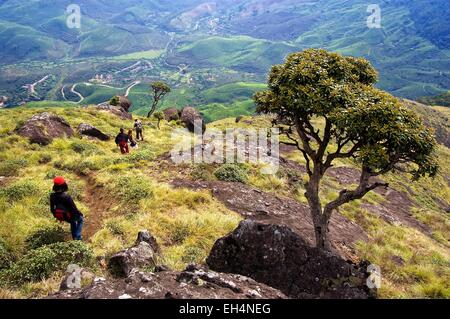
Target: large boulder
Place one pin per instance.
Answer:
(142, 254)
(190, 116)
(278, 257)
(42, 128)
(116, 110)
(92, 131)
(195, 282)
(172, 114)
(125, 103)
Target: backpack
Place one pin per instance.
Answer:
(63, 215)
(139, 125)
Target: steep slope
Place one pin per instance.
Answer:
(411, 49)
(403, 229)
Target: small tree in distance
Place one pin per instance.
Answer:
(327, 106)
(159, 90)
(159, 116)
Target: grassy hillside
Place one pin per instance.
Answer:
(410, 64)
(438, 100)
(121, 195)
(239, 52)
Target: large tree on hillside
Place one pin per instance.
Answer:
(327, 107)
(159, 90)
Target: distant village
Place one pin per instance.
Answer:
(101, 79)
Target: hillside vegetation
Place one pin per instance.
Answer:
(121, 195)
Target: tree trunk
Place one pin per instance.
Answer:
(320, 221)
(322, 234)
(152, 110)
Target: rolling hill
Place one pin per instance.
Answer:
(198, 45)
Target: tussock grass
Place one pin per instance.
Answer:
(187, 223)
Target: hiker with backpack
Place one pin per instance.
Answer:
(139, 129)
(64, 209)
(133, 143)
(122, 141)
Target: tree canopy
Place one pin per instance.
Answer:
(328, 107)
(159, 90)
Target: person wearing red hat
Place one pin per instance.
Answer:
(64, 209)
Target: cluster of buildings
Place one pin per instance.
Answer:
(100, 78)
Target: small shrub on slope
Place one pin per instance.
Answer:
(12, 167)
(231, 173)
(40, 263)
(19, 190)
(45, 236)
(5, 256)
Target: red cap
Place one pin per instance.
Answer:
(59, 180)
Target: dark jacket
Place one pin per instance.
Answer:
(122, 138)
(64, 201)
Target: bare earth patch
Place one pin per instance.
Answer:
(267, 208)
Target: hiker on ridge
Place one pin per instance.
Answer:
(64, 209)
(122, 142)
(133, 143)
(139, 129)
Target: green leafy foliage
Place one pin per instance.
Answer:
(6, 258)
(232, 173)
(370, 123)
(132, 189)
(12, 167)
(115, 100)
(19, 190)
(159, 90)
(40, 263)
(45, 236)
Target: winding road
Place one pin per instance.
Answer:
(77, 93)
(73, 90)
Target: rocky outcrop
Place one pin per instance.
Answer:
(190, 116)
(195, 282)
(278, 257)
(125, 103)
(91, 131)
(116, 110)
(172, 114)
(142, 254)
(42, 128)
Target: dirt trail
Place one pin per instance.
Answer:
(94, 198)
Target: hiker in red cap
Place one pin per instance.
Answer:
(64, 209)
(122, 141)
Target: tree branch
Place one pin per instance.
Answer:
(347, 196)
